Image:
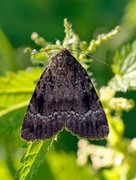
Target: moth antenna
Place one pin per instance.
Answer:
(94, 58)
(34, 52)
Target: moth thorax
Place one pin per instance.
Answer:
(62, 71)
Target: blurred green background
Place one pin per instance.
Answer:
(18, 19)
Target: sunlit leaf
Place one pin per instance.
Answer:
(32, 158)
(15, 93)
(17, 87)
(124, 67)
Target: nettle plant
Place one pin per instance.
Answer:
(119, 153)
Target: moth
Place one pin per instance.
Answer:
(64, 97)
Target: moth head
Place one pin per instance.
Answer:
(62, 63)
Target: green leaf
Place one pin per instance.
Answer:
(17, 87)
(15, 93)
(124, 67)
(11, 120)
(32, 158)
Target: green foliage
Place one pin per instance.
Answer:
(17, 87)
(115, 159)
(124, 68)
(32, 158)
(15, 93)
(80, 49)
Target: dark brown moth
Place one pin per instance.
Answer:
(64, 98)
